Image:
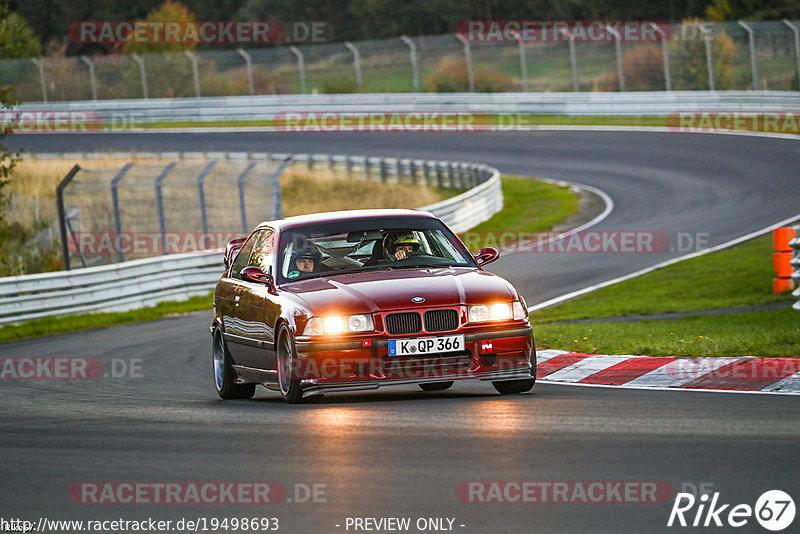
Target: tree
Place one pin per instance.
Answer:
(169, 11)
(17, 39)
(689, 64)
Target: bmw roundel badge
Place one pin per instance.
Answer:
(418, 300)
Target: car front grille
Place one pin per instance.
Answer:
(411, 322)
(404, 323)
(441, 320)
(415, 367)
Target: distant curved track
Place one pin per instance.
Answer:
(402, 452)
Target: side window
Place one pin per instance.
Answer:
(263, 249)
(243, 258)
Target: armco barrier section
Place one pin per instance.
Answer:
(124, 114)
(795, 262)
(140, 283)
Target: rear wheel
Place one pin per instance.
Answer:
(224, 375)
(291, 389)
(436, 386)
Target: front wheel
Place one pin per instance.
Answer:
(224, 375)
(291, 389)
(513, 387)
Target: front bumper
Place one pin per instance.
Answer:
(363, 363)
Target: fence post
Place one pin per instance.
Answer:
(356, 63)
(40, 66)
(753, 60)
(115, 202)
(248, 63)
(162, 221)
(142, 73)
(62, 212)
(523, 64)
(468, 58)
(664, 55)
(707, 36)
(195, 72)
(573, 60)
(201, 179)
(796, 33)
(277, 202)
(92, 80)
(301, 67)
(240, 183)
(618, 48)
(412, 51)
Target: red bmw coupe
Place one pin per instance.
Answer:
(357, 300)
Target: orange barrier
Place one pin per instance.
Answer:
(781, 259)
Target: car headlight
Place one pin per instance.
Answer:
(337, 324)
(500, 311)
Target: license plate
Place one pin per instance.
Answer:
(425, 345)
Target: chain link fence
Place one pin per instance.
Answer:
(696, 56)
(151, 209)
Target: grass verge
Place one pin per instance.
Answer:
(523, 195)
(738, 276)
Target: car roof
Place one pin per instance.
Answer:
(339, 216)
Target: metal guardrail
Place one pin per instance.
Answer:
(118, 115)
(795, 263)
(140, 283)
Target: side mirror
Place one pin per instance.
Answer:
(254, 274)
(486, 256)
(231, 249)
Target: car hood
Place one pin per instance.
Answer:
(373, 291)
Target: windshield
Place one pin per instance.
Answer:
(364, 245)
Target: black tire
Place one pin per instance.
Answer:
(514, 387)
(436, 386)
(224, 375)
(291, 389)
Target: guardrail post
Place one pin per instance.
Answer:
(468, 58)
(618, 48)
(62, 213)
(92, 80)
(142, 73)
(573, 59)
(240, 183)
(301, 68)
(439, 175)
(412, 51)
(248, 63)
(356, 63)
(384, 170)
(162, 221)
(277, 202)
(195, 72)
(40, 66)
(115, 202)
(201, 179)
(664, 55)
(796, 33)
(751, 37)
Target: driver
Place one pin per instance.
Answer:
(401, 246)
(305, 260)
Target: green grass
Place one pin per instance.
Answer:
(739, 276)
(72, 323)
(528, 206)
(762, 333)
(542, 198)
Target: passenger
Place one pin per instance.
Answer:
(305, 260)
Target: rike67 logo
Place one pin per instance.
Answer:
(774, 510)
